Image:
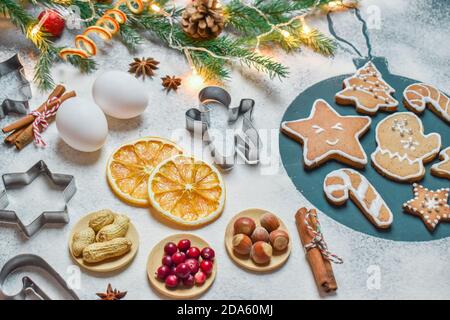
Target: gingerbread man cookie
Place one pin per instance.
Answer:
(403, 148)
(431, 206)
(326, 135)
(418, 96)
(367, 91)
(442, 169)
(341, 184)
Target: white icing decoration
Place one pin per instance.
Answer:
(388, 104)
(332, 143)
(444, 155)
(420, 104)
(374, 208)
(317, 128)
(338, 126)
(308, 162)
(404, 157)
(401, 125)
(409, 143)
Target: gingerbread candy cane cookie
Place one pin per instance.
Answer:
(420, 95)
(341, 184)
(367, 91)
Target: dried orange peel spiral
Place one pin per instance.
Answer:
(105, 27)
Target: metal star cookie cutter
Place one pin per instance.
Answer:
(18, 180)
(247, 142)
(18, 103)
(28, 285)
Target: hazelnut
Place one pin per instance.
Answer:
(242, 244)
(244, 225)
(270, 221)
(261, 252)
(260, 234)
(279, 239)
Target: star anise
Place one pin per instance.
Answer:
(111, 294)
(171, 83)
(143, 67)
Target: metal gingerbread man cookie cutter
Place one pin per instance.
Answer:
(22, 179)
(13, 104)
(246, 141)
(28, 285)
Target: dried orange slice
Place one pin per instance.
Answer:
(75, 52)
(130, 165)
(187, 191)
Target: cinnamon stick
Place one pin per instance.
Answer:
(321, 267)
(13, 136)
(27, 135)
(28, 119)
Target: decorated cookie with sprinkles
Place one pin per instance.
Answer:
(431, 206)
(442, 169)
(418, 96)
(342, 184)
(327, 135)
(367, 91)
(403, 148)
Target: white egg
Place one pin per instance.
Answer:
(82, 124)
(120, 95)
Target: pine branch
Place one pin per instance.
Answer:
(18, 16)
(130, 37)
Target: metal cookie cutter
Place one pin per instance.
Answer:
(19, 180)
(246, 141)
(18, 102)
(28, 285)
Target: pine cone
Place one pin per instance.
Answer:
(203, 19)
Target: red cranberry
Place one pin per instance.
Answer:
(193, 265)
(172, 269)
(178, 257)
(172, 281)
(193, 252)
(170, 248)
(189, 281)
(182, 270)
(167, 261)
(162, 272)
(200, 278)
(184, 245)
(206, 266)
(208, 253)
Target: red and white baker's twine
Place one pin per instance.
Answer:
(318, 241)
(40, 122)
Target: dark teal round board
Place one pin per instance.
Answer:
(309, 182)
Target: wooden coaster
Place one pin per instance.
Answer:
(181, 292)
(278, 258)
(112, 264)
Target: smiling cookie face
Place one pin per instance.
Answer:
(328, 135)
(403, 147)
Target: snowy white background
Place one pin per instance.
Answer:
(414, 37)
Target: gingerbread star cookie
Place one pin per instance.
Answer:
(403, 147)
(327, 135)
(418, 96)
(442, 169)
(431, 206)
(367, 91)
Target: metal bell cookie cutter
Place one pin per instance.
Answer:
(17, 103)
(28, 285)
(19, 180)
(246, 142)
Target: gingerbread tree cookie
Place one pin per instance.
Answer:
(367, 91)
(431, 206)
(327, 135)
(403, 147)
(442, 169)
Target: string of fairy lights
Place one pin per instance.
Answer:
(195, 79)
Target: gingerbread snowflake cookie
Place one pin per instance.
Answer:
(431, 206)
(367, 91)
(403, 148)
(418, 96)
(342, 184)
(442, 169)
(327, 135)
